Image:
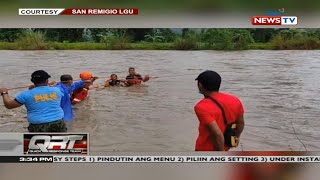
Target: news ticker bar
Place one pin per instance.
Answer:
(159, 159)
(78, 11)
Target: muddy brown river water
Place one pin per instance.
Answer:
(279, 89)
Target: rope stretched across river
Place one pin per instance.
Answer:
(23, 87)
(153, 77)
(295, 133)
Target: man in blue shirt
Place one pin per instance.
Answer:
(42, 103)
(67, 87)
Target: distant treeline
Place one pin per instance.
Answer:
(161, 38)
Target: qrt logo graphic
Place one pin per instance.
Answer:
(56, 143)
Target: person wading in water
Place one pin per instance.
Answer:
(82, 93)
(44, 112)
(135, 78)
(67, 86)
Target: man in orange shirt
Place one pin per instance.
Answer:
(82, 93)
(211, 121)
(135, 78)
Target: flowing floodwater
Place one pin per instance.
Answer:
(279, 89)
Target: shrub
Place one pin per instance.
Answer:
(116, 40)
(187, 43)
(218, 39)
(279, 42)
(242, 39)
(300, 40)
(30, 40)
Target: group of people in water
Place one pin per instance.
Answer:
(49, 104)
(131, 79)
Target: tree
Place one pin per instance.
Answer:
(168, 34)
(139, 34)
(10, 35)
(220, 39)
(61, 35)
(154, 36)
(97, 33)
(263, 35)
(242, 38)
(185, 32)
(87, 35)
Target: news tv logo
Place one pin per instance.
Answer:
(56, 143)
(275, 20)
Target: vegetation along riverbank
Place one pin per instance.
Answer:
(159, 39)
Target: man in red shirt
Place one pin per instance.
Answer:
(211, 122)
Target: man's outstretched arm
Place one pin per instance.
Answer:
(8, 102)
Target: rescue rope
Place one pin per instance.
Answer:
(171, 76)
(23, 87)
(295, 133)
(241, 146)
(152, 77)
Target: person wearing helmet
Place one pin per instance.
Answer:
(81, 94)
